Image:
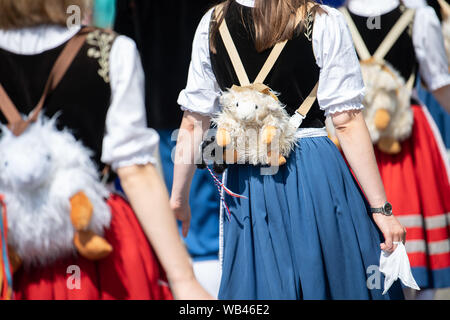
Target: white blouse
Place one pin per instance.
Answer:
(127, 139)
(341, 87)
(427, 37)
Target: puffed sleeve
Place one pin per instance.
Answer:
(127, 141)
(429, 47)
(341, 87)
(202, 91)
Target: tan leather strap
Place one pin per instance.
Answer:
(395, 33)
(387, 44)
(360, 45)
(411, 81)
(234, 54)
(445, 7)
(268, 65)
(15, 121)
(309, 102)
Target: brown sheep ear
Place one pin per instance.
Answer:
(266, 91)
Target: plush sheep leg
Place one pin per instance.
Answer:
(389, 145)
(81, 213)
(268, 134)
(14, 259)
(88, 244)
(230, 156)
(382, 119)
(223, 137)
(91, 246)
(276, 158)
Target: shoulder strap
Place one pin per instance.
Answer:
(231, 49)
(234, 54)
(308, 102)
(269, 64)
(445, 7)
(395, 33)
(15, 121)
(387, 44)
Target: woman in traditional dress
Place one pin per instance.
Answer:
(100, 99)
(415, 171)
(305, 232)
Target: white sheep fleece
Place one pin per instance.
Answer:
(245, 113)
(40, 171)
(386, 89)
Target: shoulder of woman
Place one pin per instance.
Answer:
(329, 20)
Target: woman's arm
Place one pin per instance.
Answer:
(354, 138)
(190, 136)
(150, 201)
(442, 95)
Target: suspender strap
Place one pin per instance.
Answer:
(445, 7)
(309, 102)
(234, 54)
(394, 34)
(387, 44)
(62, 64)
(268, 65)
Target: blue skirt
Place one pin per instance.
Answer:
(304, 233)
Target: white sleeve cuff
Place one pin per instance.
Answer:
(439, 82)
(342, 108)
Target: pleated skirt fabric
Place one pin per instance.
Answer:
(303, 233)
(417, 184)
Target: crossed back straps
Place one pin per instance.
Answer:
(16, 123)
(387, 44)
(268, 65)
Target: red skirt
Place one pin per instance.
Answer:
(417, 185)
(131, 271)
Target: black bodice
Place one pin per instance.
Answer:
(294, 75)
(82, 98)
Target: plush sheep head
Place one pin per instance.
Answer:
(249, 104)
(28, 161)
(25, 161)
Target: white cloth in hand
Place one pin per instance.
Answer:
(396, 265)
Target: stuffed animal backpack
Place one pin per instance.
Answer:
(253, 126)
(52, 192)
(387, 111)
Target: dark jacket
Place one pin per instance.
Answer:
(163, 31)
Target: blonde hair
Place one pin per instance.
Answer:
(274, 21)
(17, 14)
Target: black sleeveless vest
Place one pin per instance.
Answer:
(294, 75)
(402, 55)
(82, 97)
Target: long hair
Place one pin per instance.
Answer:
(274, 21)
(17, 14)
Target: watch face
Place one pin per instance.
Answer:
(388, 208)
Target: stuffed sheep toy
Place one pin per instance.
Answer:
(254, 127)
(387, 111)
(55, 201)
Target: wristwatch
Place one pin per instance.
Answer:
(384, 210)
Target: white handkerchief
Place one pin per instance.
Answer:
(396, 265)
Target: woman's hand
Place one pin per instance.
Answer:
(182, 211)
(392, 231)
(189, 289)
